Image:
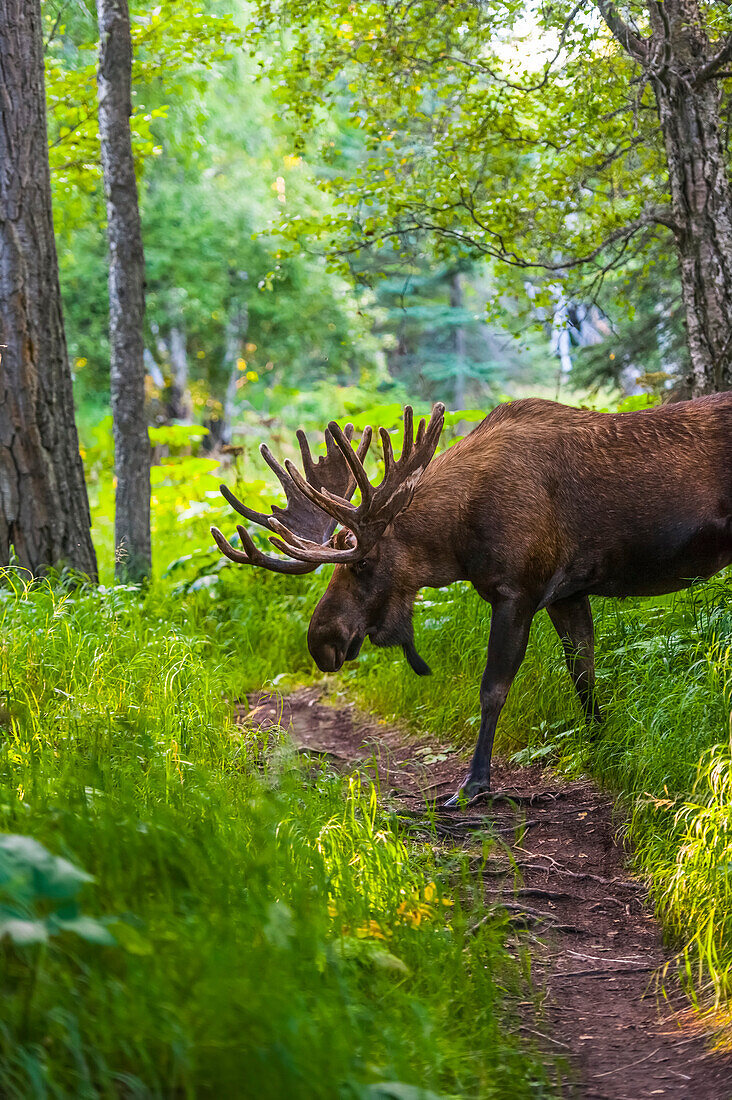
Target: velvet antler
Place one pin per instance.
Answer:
(329, 473)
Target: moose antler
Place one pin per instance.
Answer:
(379, 504)
(318, 502)
(331, 473)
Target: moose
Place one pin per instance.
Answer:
(540, 506)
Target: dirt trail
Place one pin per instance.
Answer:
(597, 946)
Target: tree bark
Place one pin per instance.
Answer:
(458, 339)
(236, 331)
(126, 295)
(44, 510)
(684, 68)
(180, 399)
(702, 204)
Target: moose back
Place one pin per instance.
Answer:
(540, 506)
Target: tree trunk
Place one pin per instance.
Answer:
(180, 401)
(684, 70)
(44, 511)
(458, 337)
(126, 295)
(236, 331)
(560, 341)
(702, 206)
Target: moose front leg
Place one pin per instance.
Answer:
(510, 626)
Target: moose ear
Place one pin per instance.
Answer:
(416, 663)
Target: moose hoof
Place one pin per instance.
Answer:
(467, 793)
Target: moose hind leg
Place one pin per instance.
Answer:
(572, 619)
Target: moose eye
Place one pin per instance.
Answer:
(360, 566)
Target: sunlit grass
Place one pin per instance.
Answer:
(269, 929)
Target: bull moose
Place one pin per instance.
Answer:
(541, 505)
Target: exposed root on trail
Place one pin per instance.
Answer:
(596, 948)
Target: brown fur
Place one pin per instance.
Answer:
(550, 500)
(543, 505)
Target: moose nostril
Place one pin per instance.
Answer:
(328, 659)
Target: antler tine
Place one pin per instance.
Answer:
(357, 469)
(309, 466)
(408, 432)
(425, 439)
(365, 442)
(226, 548)
(315, 554)
(388, 450)
(248, 513)
(330, 447)
(335, 506)
(284, 479)
(290, 536)
(274, 465)
(252, 556)
(436, 424)
(305, 453)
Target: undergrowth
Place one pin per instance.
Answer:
(185, 910)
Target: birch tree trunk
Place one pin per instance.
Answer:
(44, 511)
(180, 400)
(126, 295)
(236, 331)
(702, 207)
(684, 69)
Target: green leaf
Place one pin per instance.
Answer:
(52, 876)
(87, 928)
(23, 932)
(370, 953)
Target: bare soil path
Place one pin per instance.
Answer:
(597, 949)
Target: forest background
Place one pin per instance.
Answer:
(249, 304)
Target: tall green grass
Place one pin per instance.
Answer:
(250, 927)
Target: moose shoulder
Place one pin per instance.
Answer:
(541, 505)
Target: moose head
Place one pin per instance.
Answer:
(372, 590)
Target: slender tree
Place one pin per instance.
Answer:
(180, 399)
(44, 511)
(126, 294)
(458, 339)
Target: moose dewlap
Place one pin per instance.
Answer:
(541, 505)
